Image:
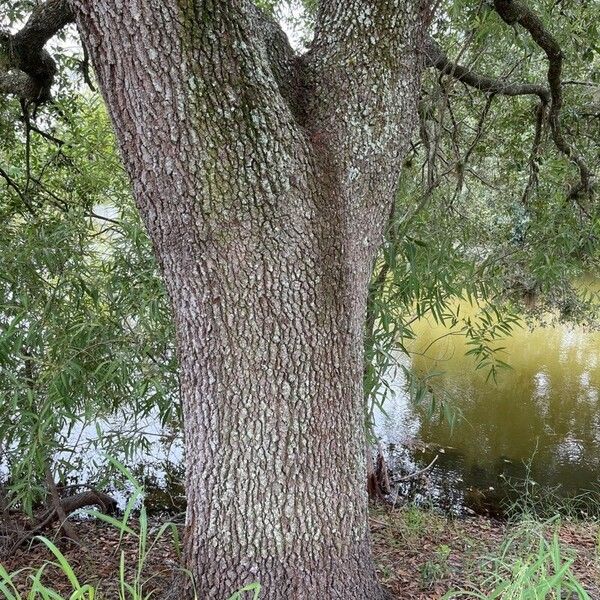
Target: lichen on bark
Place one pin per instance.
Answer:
(264, 180)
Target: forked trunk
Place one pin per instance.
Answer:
(264, 181)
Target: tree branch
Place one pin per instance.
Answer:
(435, 57)
(26, 69)
(535, 151)
(513, 12)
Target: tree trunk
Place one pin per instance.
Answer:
(265, 180)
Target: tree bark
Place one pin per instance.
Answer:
(264, 180)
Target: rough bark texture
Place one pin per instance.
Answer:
(265, 180)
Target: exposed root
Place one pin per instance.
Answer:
(13, 536)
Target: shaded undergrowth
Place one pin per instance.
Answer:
(420, 554)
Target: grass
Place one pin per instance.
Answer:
(421, 554)
(530, 565)
(543, 502)
(132, 581)
(436, 568)
(128, 590)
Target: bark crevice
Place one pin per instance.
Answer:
(265, 181)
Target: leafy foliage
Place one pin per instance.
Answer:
(483, 213)
(85, 328)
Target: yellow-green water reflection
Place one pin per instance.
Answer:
(544, 411)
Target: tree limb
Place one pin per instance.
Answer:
(26, 69)
(513, 12)
(435, 57)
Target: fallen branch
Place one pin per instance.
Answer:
(417, 474)
(66, 506)
(70, 504)
(58, 508)
(414, 475)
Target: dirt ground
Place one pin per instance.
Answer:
(420, 555)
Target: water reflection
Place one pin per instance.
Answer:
(540, 420)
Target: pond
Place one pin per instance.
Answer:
(535, 432)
